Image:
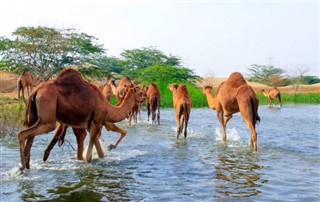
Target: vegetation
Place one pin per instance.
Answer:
(11, 116)
(44, 50)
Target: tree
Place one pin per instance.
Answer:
(268, 75)
(44, 50)
(110, 64)
(145, 57)
(165, 74)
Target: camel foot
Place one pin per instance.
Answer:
(111, 146)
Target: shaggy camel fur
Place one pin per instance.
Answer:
(153, 102)
(273, 93)
(232, 96)
(182, 107)
(72, 101)
(24, 81)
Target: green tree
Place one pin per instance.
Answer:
(165, 74)
(145, 57)
(44, 50)
(110, 64)
(268, 75)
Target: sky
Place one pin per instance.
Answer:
(213, 38)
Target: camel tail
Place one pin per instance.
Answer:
(254, 108)
(31, 116)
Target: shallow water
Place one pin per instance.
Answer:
(150, 164)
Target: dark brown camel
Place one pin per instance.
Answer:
(182, 107)
(234, 95)
(24, 81)
(72, 101)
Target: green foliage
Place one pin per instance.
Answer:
(296, 98)
(164, 73)
(145, 57)
(268, 75)
(110, 64)
(197, 97)
(310, 80)
(11, 116)
(44, 50)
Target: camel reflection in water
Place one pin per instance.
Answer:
(237, 175)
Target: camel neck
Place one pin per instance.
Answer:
(210, 99)
(120, 112)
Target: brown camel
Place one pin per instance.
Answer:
(72, 101)
(81, 133)
(120, 90)
(153, 102)
(182, 107)
(234, 95)
(24, 81)
(273, 93)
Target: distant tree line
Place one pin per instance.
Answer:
(44, 51)
(274, 76)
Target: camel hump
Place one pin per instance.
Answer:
(236, 79)
(69, 76)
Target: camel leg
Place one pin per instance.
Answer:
(186, 127)
(178, 124)
(113, 127)
(158, 116)
(92, 140)
(36, 129)
(253, 138)
(27, 151)
(59, 133)
(222, 126)
(148, 107)
(81, 136)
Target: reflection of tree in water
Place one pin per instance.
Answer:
(237, 175)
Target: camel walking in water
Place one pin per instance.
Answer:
(153, 102)
(182, 107)
(24, 81)
(272, 94)
(108, 89)
(235, 95)
(81, 133)
(70, 100)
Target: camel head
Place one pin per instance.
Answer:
(206, 89)
(173, 87)
(137, 92)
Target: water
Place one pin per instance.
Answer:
(151, 165)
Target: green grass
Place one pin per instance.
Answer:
(296, 98)
(11, 115)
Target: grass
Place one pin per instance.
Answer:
(296, 98)
(11, 115)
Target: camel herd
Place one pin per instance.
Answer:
(70, 101)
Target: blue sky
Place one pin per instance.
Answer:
(214, 38)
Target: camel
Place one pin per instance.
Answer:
(120, 90)
(182, 107)
(108, 89)
(81, 134)
(153, 102)
(70, 100)
(273, 93)
(234, 95)
(24, 81)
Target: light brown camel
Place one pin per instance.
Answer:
(120, 90)
(107, 89)
(182, 107)
(273, 93)
(72, 101)
(24, 81)
(153, 102)
(234, 95)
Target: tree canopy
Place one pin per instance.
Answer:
(45, 50)
(268, 75)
